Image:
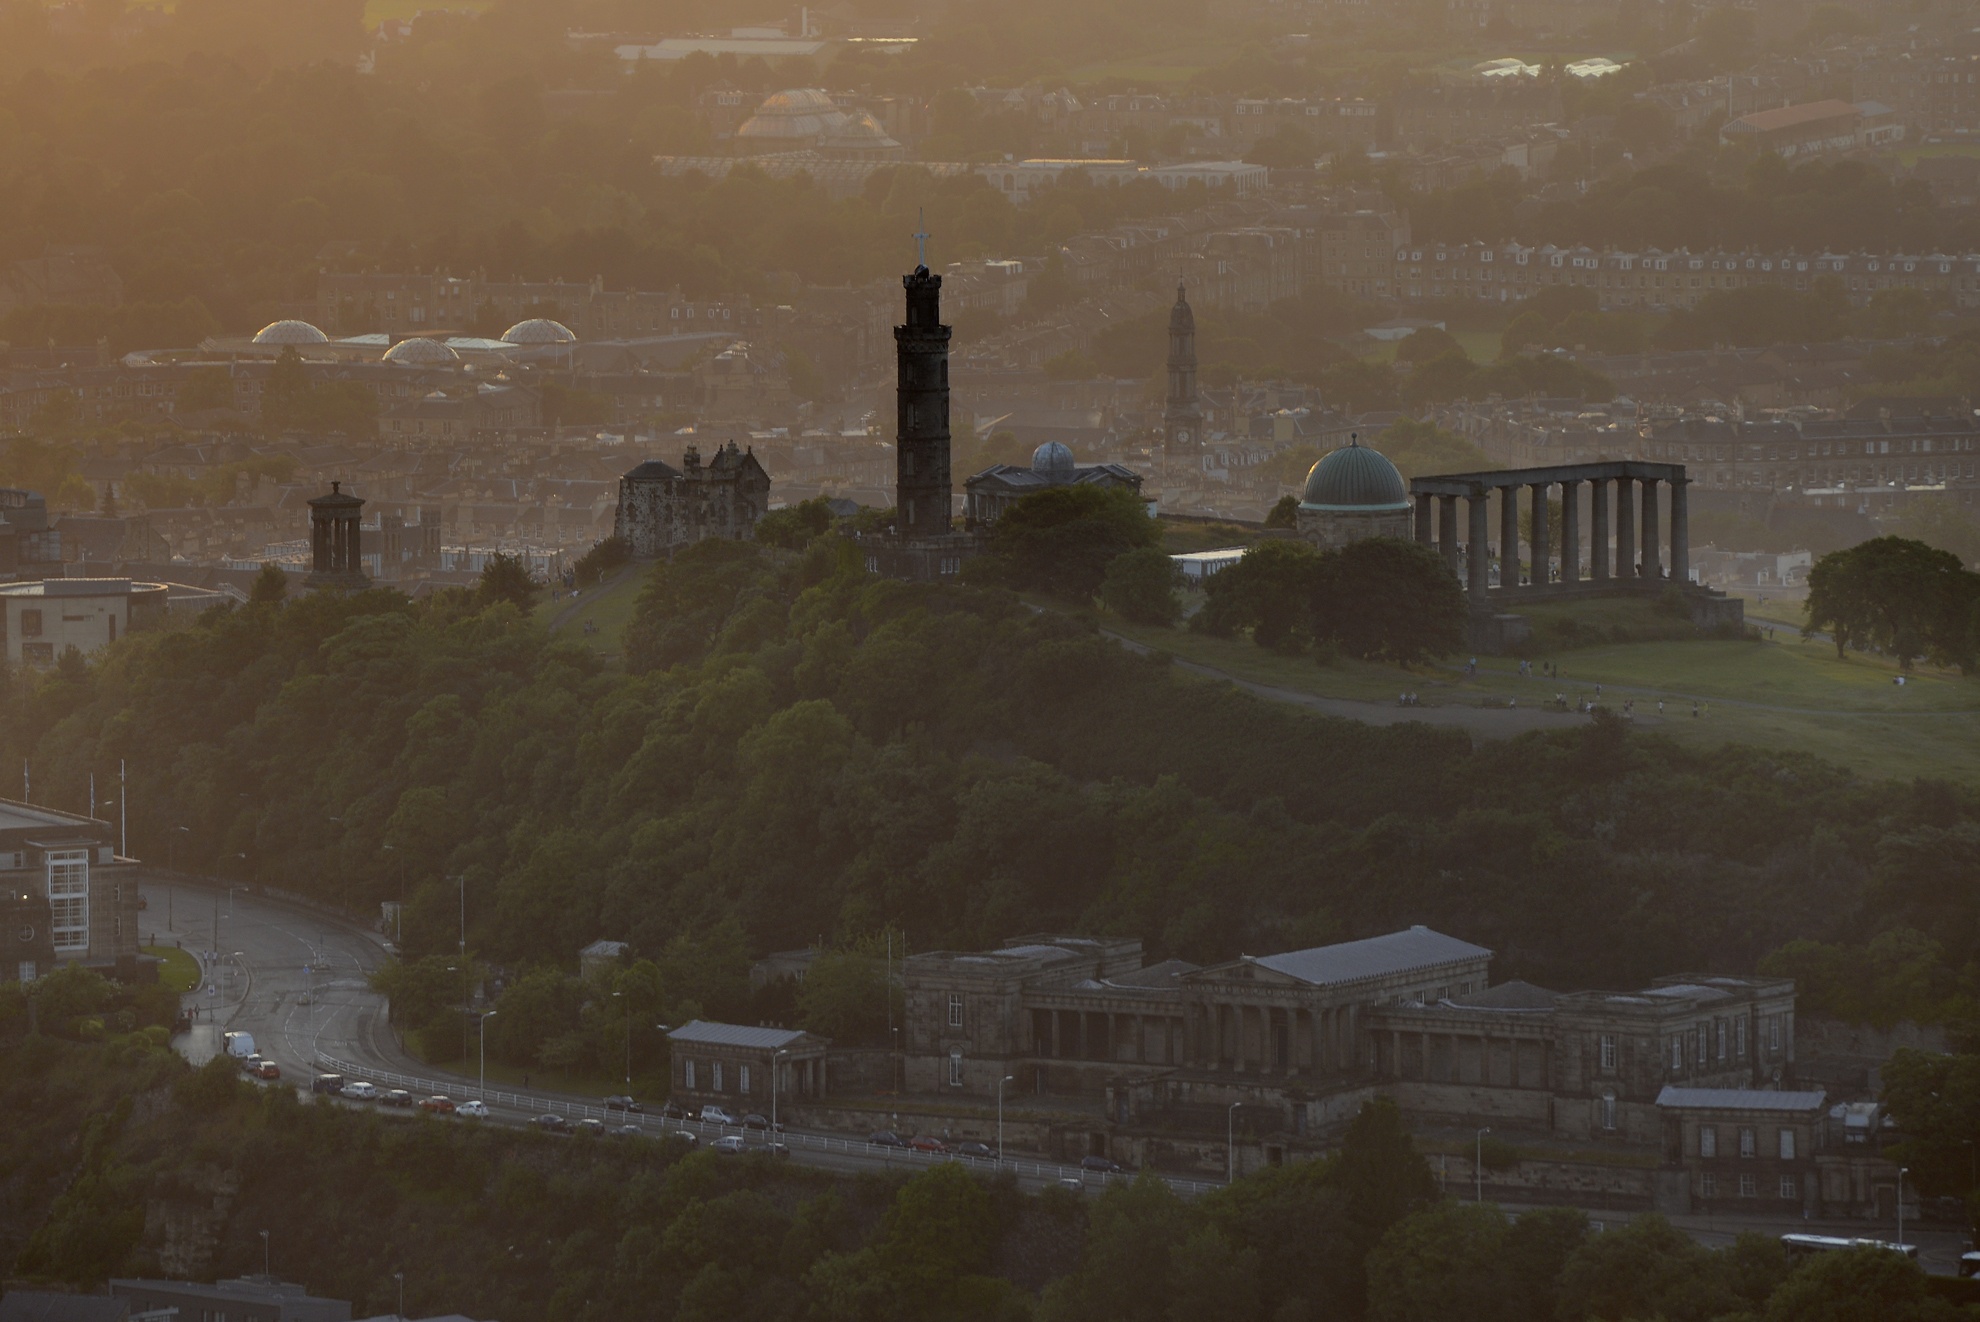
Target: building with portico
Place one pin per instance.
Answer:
(743, 1068)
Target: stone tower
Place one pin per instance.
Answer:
(1182, 421)
(921, 459)
(336, 553)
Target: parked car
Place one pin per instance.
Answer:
(438, 1105)
(755, 1121)
(731, 1144)
(686, 1136)
(1104, 1165)
(1073, 1184)
(622, 1104)
(979, 1150)
(927, 1143)
(472, 1109)
(625, 1131)
(330, 1083)
(552, 1124)
(674, 1111)
(358, 1090)
(885, 1138)
(715, 1115)
(776, 1149)
(589, 1127)
(397, 1097)
(250, 1063)
(267, 1069)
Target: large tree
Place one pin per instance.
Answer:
(1391, 600)
(1904, 598)
(1060, 541)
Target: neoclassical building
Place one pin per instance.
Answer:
(1353, 493)
(988, 494)
(662, 509)
(1309, 1035)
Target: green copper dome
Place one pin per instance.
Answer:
(1354, 478)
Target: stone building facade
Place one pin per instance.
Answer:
(987, 494)
(66, 895)
(738, 1067)
(662, 509)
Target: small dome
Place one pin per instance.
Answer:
(1357, 478)
(1052, 460)
(797, 113)
(539, 330)
(418, 352)
(290, 332)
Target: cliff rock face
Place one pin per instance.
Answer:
(183, 1219)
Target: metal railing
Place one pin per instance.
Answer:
(660, 1126)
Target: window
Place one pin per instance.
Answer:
(1739, 1038)
(1608, 1110)
(31, 624)
(1608, 1053)
(68, 900)
(1749, 1187)
(955, 1010)
(1748, 1143)
(742, 1079)
(1787, 1145)
(955, 1069)
(716, 1071)
(1773, 1033)
(1719, 1028)
(1677, 1053)
(1708, 1140)
(687, 1074)
(28, 971)
(1787, 1187)
(1708, 1185)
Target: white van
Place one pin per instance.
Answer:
(239, 1045)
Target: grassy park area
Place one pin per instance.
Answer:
(176, 969)
(608, 607)
(1782, 693)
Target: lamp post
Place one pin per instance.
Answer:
(264, 1257)
(1008, 1078)
(400, 1316)
(775, 1056)
(1478, 1165)
(1902, 1172)
(1230, 1143)
(485, 1017)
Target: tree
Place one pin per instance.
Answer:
(1429, 344)
(1647, 1268)
(1387, 599)
(506, 578)
(1858, 1285)
(1060, 541)
(1937, 521)
(1443, 1262)
(270, 585)
(1285, 510)
(794, 526)
(845, 995)
(602, 559)
(1269, 591)
(1901, 597)
(1141, 586)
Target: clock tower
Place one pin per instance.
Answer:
(1182, 421)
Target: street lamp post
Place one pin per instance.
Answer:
(264, 1257)
(775, 1056)
(1902, 1172)
(1008, 1078)
(1478, 1165)
(485, 1017)
(1230, 1143)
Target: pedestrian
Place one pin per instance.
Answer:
(1660, 706)
(1694, 709)
(1598, 692)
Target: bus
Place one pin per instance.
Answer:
(1800, 1247)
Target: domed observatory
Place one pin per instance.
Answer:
(1350, 494)
(281, 334)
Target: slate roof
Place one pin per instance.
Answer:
(735, 1035)
(1742, 1099)
(1375, 957)
(1514, 995)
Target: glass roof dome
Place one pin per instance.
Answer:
(1354, 478)
(539, 330)
(420, 352)
(1053, 460)
(290, 332)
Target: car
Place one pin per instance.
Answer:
(589, 1127)
(731, 1144)
(884, 1138)
(251, 1063)
(623, 1104)
(551, 1124)
(755, 1121)
(927, 1143)
(438, 1105)
(978, 1150)
(1103, 1165)
(625, 1131)
(775, 1149)
(686, 1136)
(396, 1097)
(674, 1111)
(330, 1083)
(715, 1115)
(358, 1090)
(1072, 1184)
(472, 1109)
(267, 1069)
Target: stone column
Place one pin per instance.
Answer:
(1652, 552)
(1480, 567)
(1540, 546)
(1423, 518)
(1570, 534)
(1509, 537)
(1598, 530)
(1625, 528)
(1680, 531)
(1447, 530)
